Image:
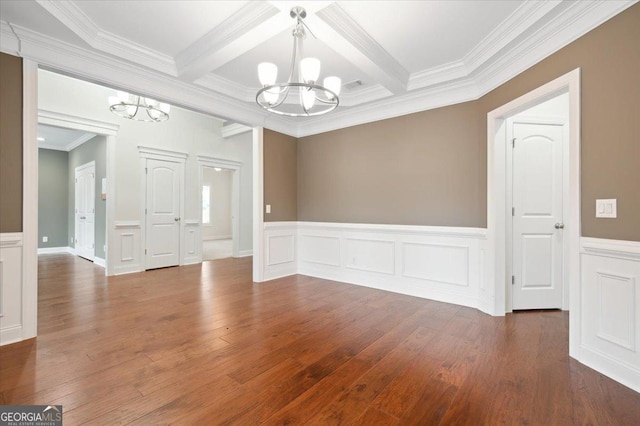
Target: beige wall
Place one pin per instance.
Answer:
(280, 176)
(418, 169)
(10, 143)
(429, 168)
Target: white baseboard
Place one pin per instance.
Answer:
(99, 261)
(216, 237)
(245, 253)
(53, 250)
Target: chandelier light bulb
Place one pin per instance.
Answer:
(122, 96)
(310, 68)
(334, 84)
(164, 107)
(271, 96)
(267, 73)
(308, 99)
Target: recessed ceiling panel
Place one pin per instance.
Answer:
(59, 137)
(425, 34)
(166, 26)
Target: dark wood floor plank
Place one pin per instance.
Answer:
(203, 344)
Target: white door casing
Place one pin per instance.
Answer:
(85, 212)
(537, 215)
(163, 184)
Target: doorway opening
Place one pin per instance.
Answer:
(73, 207)
(499, 207)
(217, 217)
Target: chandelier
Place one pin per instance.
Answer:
(138, 108)
(301, 95)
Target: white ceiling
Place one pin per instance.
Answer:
(409, 55)
(61, 139)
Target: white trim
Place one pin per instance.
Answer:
(30, 200)
(162, 154)
(496, 195)
(233, 129)
(258, 203)
(11, 239)
(55, 250)
(619, 249)
(77, 123)
(236, 166)
(443, 231)
(122, 224)
(110, 131)
(98, 261)
(245, 253)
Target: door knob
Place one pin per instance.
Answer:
(177, 219)
(559, 225)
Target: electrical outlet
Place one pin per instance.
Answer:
(45, 239)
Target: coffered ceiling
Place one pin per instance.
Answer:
(394, 57)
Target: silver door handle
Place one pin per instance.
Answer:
(559, 225)
(177, 219)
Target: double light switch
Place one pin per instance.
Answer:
(606, 208)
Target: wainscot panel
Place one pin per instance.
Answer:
(11, 322)
(610, 308)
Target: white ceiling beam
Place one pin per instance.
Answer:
(245, 29)
(342, 33)
(72, 17)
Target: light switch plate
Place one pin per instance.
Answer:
(268, 208)
(607, 208)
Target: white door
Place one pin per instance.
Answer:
(85, 211)
(162, 214)
(537, 216)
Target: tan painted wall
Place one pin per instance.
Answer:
(429, 168)
(10, 143)
(280, 176)
(418, 169)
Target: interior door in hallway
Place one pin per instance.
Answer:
(162, 213)
(85, 211)
(537, 216)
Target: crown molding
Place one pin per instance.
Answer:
(227, 87)
(359, 47)
(233, 129)
(364, 95)
(416, 101)
(565, 22)
(240, 32)
(71, 16)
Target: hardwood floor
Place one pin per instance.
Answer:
(203, 345)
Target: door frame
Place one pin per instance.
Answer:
(496, 196)
(90, 164)
(553, 121)
(149, 153)
(236, 166)
(110, 132)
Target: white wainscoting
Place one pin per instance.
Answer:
(192, 242)
(610, 309)
(127, 247)
(11, 306)
(439, 263)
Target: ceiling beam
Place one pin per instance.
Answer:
(245, 29)
(342, 33)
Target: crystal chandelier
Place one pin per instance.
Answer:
(301, 95)
(138, 108)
